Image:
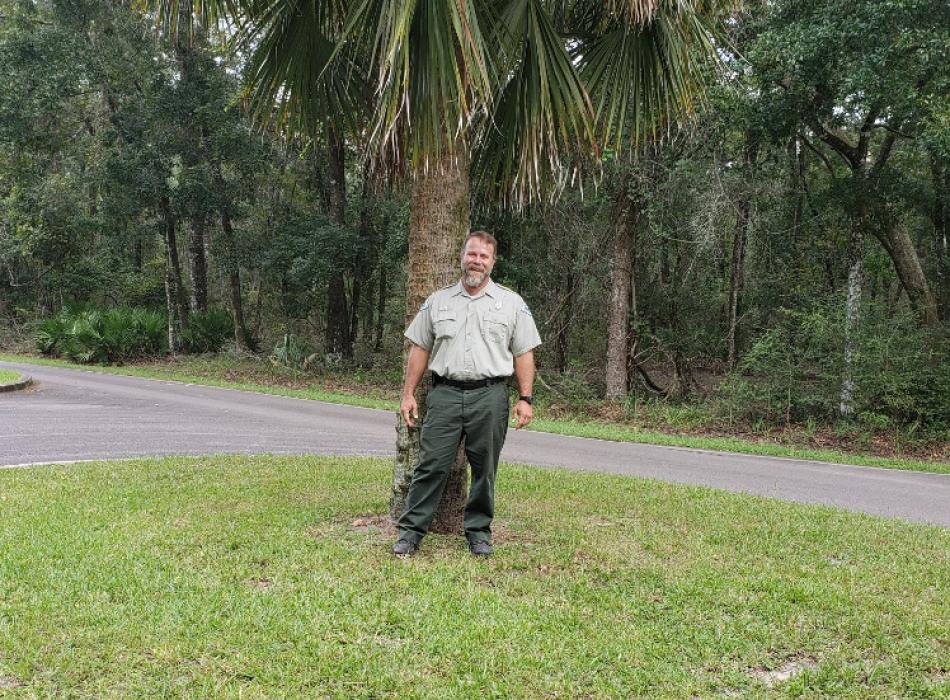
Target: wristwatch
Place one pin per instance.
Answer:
(527, 399)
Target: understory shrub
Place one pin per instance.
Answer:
(91, 335)
(293, 354)
(793, 371)
(207, 331)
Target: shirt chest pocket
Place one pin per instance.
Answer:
(446, 325)
(496, 328)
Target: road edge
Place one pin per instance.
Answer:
(23, 383)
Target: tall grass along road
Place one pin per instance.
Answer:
(76, 415)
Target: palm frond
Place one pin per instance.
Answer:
(183, 20)
(290, 79)
(644, 76)
(431, 73)
(542, 123)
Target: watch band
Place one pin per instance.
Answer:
(527, 399)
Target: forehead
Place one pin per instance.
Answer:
(478, 245)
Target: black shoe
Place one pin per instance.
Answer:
(480, 548)
(404, 548)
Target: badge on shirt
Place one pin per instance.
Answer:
(525, 310)
(425, 305)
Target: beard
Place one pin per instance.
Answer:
(473, 278)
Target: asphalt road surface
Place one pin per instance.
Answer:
(71, 415)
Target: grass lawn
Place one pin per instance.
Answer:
(364, 389)
(8, 376)
(262, 577)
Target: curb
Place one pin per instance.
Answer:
(16, 386)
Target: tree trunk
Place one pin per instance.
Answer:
(353, 325)
(241, 334)
(380, 308)
(137, 252)
(899, 246)
(438, 225)
(736, 276)
(369, 303)
(561, 339)
(198, 266)
(940, 217)
(852, 310)
(618, 312)
(633, 333)
(337, 309)
(737, 269)
(337, 315)
(362, 300)
(171, 282)
(171, 251)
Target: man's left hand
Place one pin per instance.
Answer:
(524, 413)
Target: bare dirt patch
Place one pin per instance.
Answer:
(260, 583)
(786, 671)
(10, 683)
(388, 641)
(374, 522)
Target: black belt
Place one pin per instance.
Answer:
(474, 384)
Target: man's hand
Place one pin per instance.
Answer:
(409, 410)
(415, 368)
(524, 413)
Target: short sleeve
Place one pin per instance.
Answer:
(420, 330)
(525, 336)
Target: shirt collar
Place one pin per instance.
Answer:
(491, 289)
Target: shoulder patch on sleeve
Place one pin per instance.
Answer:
(525, 310)
(425, 305)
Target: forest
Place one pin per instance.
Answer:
(733, 216)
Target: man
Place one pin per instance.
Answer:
(472, 335)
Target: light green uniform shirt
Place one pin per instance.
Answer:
(476, 337)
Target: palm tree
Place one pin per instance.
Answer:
(441, 90)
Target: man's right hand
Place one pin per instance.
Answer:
(409, 410)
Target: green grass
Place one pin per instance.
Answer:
(246, 577)
(213, 371)
(170, 372)
(8, 376)
(619, 433)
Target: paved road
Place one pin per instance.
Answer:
(76, 415)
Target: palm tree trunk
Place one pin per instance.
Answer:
(439, 223)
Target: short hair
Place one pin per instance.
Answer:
(484, 236)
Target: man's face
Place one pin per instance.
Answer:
(478, 258)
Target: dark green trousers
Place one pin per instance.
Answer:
(481, 417)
